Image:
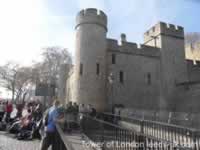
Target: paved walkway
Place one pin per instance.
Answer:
(8, 142)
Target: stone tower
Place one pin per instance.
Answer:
(90, 64)
(170, 40)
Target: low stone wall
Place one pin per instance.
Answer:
(60, 143)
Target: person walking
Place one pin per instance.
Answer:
(50, 128)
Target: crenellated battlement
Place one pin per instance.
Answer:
(92, 12)
(91, 16)
(164, 29)
(132, 48)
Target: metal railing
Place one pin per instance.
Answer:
(105, 133)
(177, 135)
(109, 136)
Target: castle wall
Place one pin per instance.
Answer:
(152, 76)
(135, 63)
(170, 40)
(187, 98)
(91, 28)
(133, 48)
(187, 94)
(193, 70)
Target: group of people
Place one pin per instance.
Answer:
(6, 109)
(21, 119)
(28, 119)
(71, 116)
(81, 109)
(74, 115)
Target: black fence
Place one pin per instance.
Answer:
(182, 136)
(106, 134)
(163, 131)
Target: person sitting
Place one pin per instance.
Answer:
(26, 122)
(37, 112)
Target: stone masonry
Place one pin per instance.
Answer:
(153, 76)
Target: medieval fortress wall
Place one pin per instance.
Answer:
(151, 76)
(91, 27)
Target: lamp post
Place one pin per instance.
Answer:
(111, 82)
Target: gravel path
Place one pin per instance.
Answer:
(8, 142)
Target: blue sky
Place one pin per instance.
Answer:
(26, 26)
(29, 25)
(134, 17)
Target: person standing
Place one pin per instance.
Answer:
(82, 112)
(19, 108)
(76, 107)
(2, 111)
(50, 128)
(70, 116)
(9, 109)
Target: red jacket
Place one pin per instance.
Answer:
(9, 108)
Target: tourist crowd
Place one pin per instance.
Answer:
(24, 119)
(71, 116)
(29, 120)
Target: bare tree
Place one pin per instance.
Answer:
(15, 79)
(19, 80)
(52, 58)
(24, 81)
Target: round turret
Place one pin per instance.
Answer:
(90, 58)
(91, 16)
